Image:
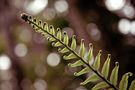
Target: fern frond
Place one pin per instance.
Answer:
(61, 41)
(106, 67)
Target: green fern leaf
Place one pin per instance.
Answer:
(51, 39)
(77, 63)
(96, 64)
(124, 81)
(91, 78)
(70, 56)
(114, 74)
(59, 34)
(51, 30)
(106, 66)
(73, 44)
(83, 71)
(66, 39)
(82, 49)
(57, 44)
(40, 23)
(36, 28)
(132, 86)
(90, 53)
(64, 50)
(46, 27)
(100, 86)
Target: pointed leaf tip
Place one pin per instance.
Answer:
(90, 45)
(64, 32)
(35, 20)
(82, 40)
(44, 24)
(109, 56)
(58, 29)
(117, 63)
(130, 74)
(74, 36)
(100, 51)
(75, 74)
(50, 26)
(39, 22)
(51, 39)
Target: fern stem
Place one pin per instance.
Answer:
(25, 17)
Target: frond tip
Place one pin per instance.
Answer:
(61, 41)
(24, 16)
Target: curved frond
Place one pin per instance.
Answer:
(61, 41)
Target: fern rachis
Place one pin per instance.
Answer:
(62, 42)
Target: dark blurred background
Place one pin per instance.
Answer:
(28, 62)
